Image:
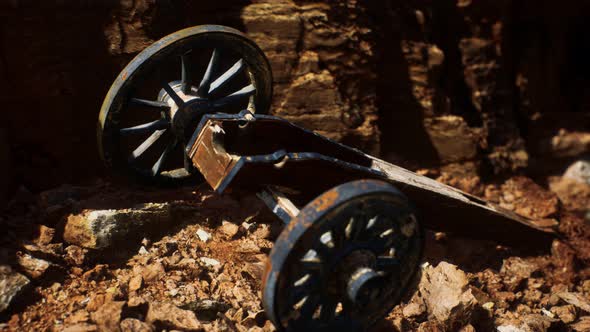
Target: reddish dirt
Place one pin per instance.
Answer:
(510, 285)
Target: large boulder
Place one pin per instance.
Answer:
(99, 229)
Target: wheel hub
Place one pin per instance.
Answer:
(363, 286)
(185, 118)
(357, 278)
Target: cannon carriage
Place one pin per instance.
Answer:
(194, 106)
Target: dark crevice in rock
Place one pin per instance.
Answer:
(403, 136)
(448, 28)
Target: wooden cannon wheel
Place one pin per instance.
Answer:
(156, 102)
(345, 260)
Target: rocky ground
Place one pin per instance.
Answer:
(111, 257)
(473, 87)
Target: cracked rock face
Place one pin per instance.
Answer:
(315, 86)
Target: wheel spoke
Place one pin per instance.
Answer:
(226, 77)
(146, 144)
(148, 103)
(309, 307)
(177, 100)
(186, 74)
(203, 90)
(146, 127)
(296, 294)
(355, 226)
(238, 95)
(157, 168)
(299, 292)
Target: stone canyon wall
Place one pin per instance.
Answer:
(491, 87)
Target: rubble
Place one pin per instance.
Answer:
(579, 171)
(516, 270)
(135, 325)
(190, 284)
(568, 143)
(97, 273)
(446, 294)
(135, 283)
(151, 272)
(528, 199)
(75, 255)
(142, 251)
(203, 235)
(583, 325)
(207, 309)
(452, 75)
(34, 267)
(45, 236)
(210, 262)
(99, 229)
(574, 195)
(567, 313)
(82, 327)
(79, 316)
(108, 316)
(415, 308)
(11, 285)
(168, 316)
(576, 299)
(228, 230)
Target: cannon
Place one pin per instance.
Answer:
(194, 107)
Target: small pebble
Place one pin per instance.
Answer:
(209, 261)
(547, 313)
(203, 235)
(143, 251)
